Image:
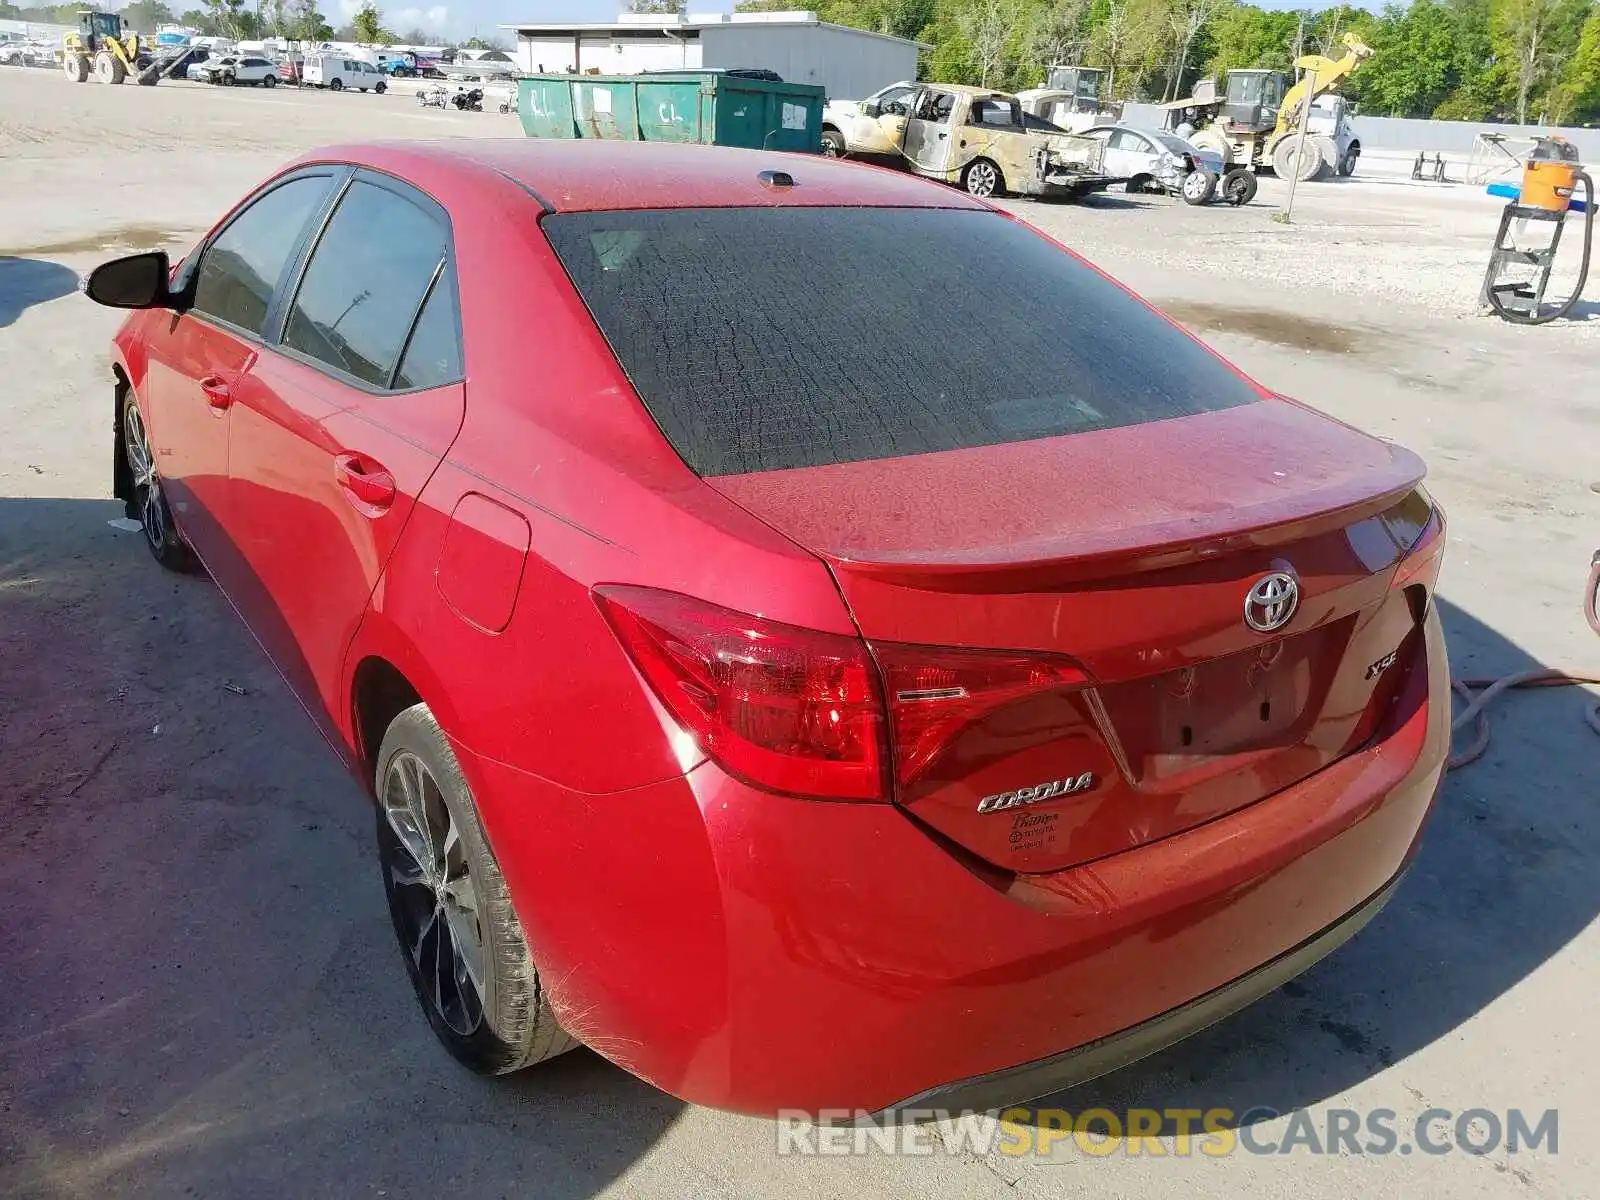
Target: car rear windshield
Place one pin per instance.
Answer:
(767, 338)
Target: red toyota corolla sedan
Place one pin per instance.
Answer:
(809, 636)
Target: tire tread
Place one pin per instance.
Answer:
(518, 1014)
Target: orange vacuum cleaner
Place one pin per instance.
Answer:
(1549, 180)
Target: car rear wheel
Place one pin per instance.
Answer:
(336, 86)
(459, 935)
(155, 519)
(1198, 186)
(832, 143)
(982, 178)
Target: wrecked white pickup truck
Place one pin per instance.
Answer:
(972, 137)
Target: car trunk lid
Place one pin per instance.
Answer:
(1061, 628)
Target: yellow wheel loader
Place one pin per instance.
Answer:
(1256, 121)
(99, 48)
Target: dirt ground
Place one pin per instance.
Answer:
(202, 994)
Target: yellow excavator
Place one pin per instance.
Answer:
(1256, 121)
(99, 47)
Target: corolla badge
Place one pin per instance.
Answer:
(1271, 601)
(1001, 801)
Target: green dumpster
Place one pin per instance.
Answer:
(696, 106)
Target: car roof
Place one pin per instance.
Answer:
(967, 89)
(584, 175)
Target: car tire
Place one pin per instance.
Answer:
(380, 87)
(982, 178)
(447, 897)
(1198, 186)
(833, 144)
(270, 81)
(336, 85)
(1238, 186)
(148, 503)
(76, 67)
(1347, 164)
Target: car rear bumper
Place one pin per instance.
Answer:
(1029, 1081)
(1065, 184)
(761, 953)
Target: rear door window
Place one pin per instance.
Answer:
(241, 268)
(365, 282)
(768, 338)
(433, 355)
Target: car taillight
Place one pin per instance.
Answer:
(1418, 527)
(788, 709)
(935, 694)
(807, 713)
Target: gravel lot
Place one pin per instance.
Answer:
(202, 993)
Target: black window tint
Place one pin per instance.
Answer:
(765, 338)
(240, 270)
(365, 280)
(433, 356)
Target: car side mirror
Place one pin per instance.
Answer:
(137, 281)
(872, 108)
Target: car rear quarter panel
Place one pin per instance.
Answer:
(554, 433)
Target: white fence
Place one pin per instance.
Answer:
(1457, 137)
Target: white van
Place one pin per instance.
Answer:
(335, 72)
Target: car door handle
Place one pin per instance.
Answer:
(364, 481)
(217, 393)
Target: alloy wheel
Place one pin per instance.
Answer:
(436, 898)
(146, 484)
(982, 179)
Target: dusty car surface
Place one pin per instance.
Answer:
(973, 137)
(802, 719)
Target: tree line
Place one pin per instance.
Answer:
(1470, 60)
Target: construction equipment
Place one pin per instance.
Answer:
(1550, 177)
(1070, 98)
(1255, 121)
(99, 46)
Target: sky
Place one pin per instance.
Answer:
(467, 18)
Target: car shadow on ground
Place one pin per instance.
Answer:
(203, 992)
(25, 282)
(1116, 199)
(1508, 874)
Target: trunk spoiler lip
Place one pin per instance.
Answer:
(1178, 542)
(1090, 553)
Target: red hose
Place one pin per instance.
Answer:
(1479, 692)
(1591, 600)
